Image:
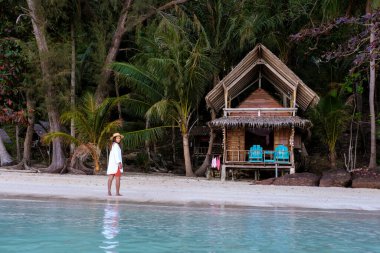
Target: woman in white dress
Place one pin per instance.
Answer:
(115, 163)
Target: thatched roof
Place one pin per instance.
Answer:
(260, 122)
(261, 60)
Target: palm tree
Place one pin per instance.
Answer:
(220, 22)
(93, 128)
(177, 71)
(330, 118)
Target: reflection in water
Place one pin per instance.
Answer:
(111, 227)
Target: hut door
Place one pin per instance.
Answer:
(236, 144)
(281, 136)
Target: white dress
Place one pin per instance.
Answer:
(114, 159)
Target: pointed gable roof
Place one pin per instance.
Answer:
(262, 60)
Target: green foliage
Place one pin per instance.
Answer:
(92, 123)
(171, 56)
(173, 69)
(330, 118)
(353, 83)
(142, 161)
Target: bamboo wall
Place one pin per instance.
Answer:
(235, 141)
(282, 136)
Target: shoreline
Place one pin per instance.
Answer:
(179, 190)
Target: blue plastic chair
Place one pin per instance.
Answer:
(255, 154)
(281, 154)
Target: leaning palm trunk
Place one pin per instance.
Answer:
(206, 162)
(5, 157)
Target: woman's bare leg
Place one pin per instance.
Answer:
(118, 186)
(110, 179)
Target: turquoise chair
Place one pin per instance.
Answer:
(281, 154)
(255, 154)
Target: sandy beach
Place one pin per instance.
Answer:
(169, 189)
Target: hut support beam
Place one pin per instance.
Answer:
(291, 141)
(223, 174)
(294, 98)
(225, 99)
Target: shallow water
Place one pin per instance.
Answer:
(75, 226)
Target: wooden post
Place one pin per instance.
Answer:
(284, 100)
(225, 97)
(295, 98)
(291, 141)
(224, 145)
(276, 170)
(223, 174)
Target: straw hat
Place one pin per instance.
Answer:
(115, 135)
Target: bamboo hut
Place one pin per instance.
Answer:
(259, 100)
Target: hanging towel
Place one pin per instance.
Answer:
(218, 162)
(213, 162)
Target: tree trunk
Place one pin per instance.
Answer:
(38, 23)
(186, 155)
(102, 89)
(173, 145)
(147, 142)
(372, 81)
(25, 162)
(332, 159)
(5, 157)
(18, 150)
(30, 104)
(206, 162)
(72, 87)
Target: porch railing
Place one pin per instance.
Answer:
(237, 156)
(236, 112)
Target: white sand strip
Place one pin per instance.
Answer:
(143, 188)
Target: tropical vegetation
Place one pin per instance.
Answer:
(144, 67)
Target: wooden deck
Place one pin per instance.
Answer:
(238, 159)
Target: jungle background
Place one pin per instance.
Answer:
(72, 72)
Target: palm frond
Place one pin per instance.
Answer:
(142, 82)
(159, 110)
(136, 138)
(107, 130)
(47, 138)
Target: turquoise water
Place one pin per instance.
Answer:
(68, 226)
